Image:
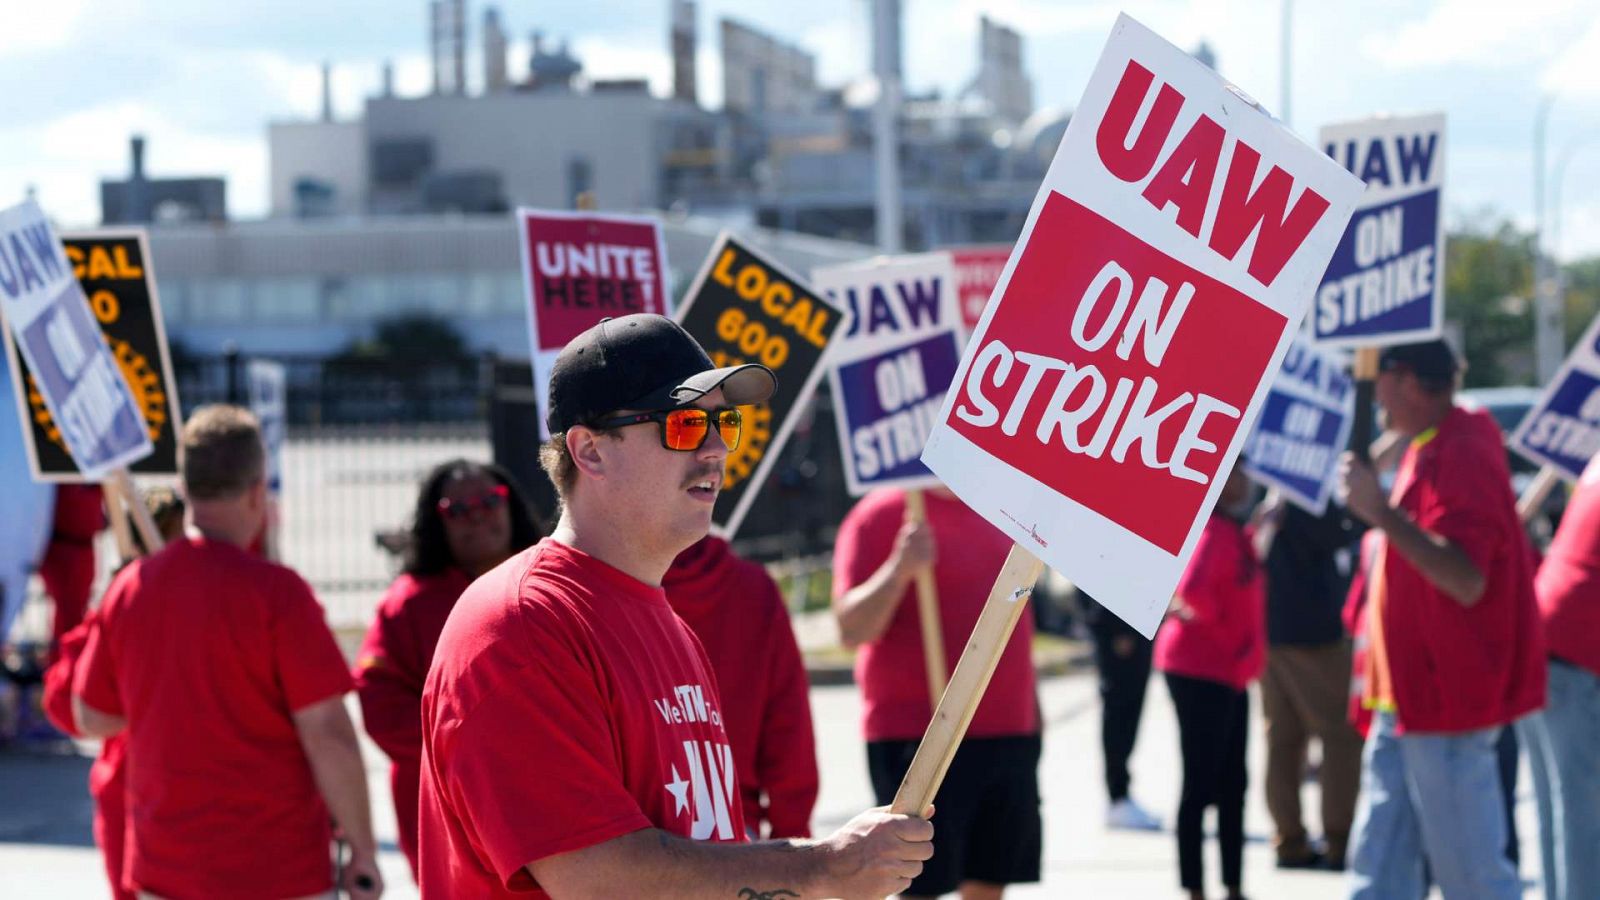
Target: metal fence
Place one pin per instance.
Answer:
(362, 434)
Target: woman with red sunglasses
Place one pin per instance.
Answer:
(469, 518)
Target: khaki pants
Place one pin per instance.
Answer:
(1305, 694)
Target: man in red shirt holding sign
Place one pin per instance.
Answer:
(990, 832)
(573, 735)
(1455, 653)
(221, 669)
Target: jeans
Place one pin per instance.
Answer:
(1436, 796)
(1563, 743)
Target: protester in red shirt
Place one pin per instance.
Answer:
(221, 670)
(68, 565)
(1212, 645)
(469, 518)
(573, 734)
(1563, 741)
(989, 831)
(734, 607)
(107, 777)
(1453, 651)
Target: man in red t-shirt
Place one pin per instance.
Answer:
(989, 826)
(1563, 740)
(1454, 651)
(734, 607)
(573, 735)
(221, 670)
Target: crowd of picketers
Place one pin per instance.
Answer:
(614, 703)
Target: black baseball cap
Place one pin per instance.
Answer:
(1429, 360)
(645, 362)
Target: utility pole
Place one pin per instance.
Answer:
(886, 122)
(1285, 66)
(1549, 337)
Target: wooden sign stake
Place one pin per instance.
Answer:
(1537, 491)
(1364, 369)
(117, 513)
(1008, 600)
(928, 610)
(146, 525)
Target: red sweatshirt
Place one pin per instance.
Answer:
(107, 784)
(390, 671)
(734, 608)
(1224, 639)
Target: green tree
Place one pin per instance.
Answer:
(1583, 295)
(1488, 283)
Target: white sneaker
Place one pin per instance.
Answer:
(1126, 815)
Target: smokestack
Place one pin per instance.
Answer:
(388, 78)
(136, 148)
(327, 91)
(683, 51)
(494, 52)
(448, 36)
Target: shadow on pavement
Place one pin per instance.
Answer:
(44, 799)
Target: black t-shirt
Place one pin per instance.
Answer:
(1305, 585)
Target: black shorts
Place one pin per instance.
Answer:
(986, 821)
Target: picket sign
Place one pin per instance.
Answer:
(1171, 192)
(928, 608)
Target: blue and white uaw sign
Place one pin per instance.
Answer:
(1385, 284)
(891, 369)
(1562, 430)
(48, 319)
(1303, 425)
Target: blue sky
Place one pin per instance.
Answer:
(201, 79)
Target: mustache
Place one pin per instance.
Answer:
(705, 473)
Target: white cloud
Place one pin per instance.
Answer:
(1478, 32)
(48, 27)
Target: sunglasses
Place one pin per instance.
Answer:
(494, 498)
(685, 428)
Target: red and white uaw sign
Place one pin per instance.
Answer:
(1164, 266)
(581, 268)
(1385, 283)
(891, 369)
(978, 269)
(48, 319)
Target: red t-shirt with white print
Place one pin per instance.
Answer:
(567, 705)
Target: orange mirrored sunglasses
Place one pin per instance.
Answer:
(686, 427)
